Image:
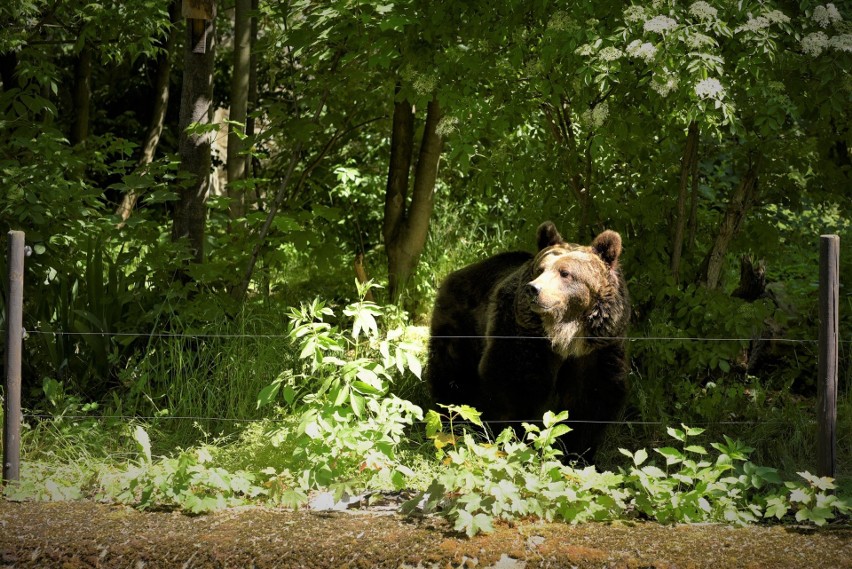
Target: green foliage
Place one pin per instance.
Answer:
(507, 479)
(484, 481)
(335, 444)
(187, 482)
(350, 426)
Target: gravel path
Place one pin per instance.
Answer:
(70, 535)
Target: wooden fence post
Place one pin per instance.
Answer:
(14, 345)
(829, 299)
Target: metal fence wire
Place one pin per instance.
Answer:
(183, 335)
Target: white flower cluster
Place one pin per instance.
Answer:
(755, 24)
(664, 85)
(425, 84)
(703, 11)
(645, 51)
(826, 15)
(585, 50)
(709, 89)
(594, 118)
(634, 14)
(842, 42)
(777, 17)
(660, 24)
(610, 53)
(560, 21)
(815, 43)
(446, 126)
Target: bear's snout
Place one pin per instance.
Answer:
(532, 290)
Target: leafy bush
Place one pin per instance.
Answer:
(350, 426)
(187, 482)
(508, 479)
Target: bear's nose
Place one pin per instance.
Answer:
(532, 290)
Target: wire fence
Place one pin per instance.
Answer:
(235, 420)
(441, 337)
(459, 422)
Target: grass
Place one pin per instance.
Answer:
(206, 380)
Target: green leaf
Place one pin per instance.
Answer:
(472, 524)
(821, 483)
(369, 377)
(267, 395)
(433, 423)
(653, 471)
(358, 404)
(366, 388)
(143, 441)
(673, 456)
(468, 413)
(292, 498)
(414, 364)
(676, 434)
(289, 394)
(640, 457)
(692, 431)
(551, 419)
(559, 430)
(776, 507)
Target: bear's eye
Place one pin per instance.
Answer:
(564, 273)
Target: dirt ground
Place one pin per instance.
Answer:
(71, 535)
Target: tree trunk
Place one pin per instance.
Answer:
(693, 203)
(196, 107)
(251, 162)
(559, 121)
(82, 97)
(236, 158)
(8, 69)
(158, 116)
(406, 224)
(396, 193)
(741, 200)
(690, 155)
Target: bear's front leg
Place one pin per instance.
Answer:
(517, 378)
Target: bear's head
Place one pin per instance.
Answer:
(569, 283)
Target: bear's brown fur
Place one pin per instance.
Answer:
(518, 334)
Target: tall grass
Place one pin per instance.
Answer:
(205, 380)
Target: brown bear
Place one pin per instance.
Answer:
(518, 334)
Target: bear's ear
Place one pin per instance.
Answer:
(547, 235)
(608, 246)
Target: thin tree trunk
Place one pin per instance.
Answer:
(741, 201)
(561, 126)
(407, 225)
(396, 192)
(693, 203)
(158, 116)
(196, 107)
(690, 154)
(82, 95)
(236, 159)
(8, 69)
(252, 93)
(239, 292)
